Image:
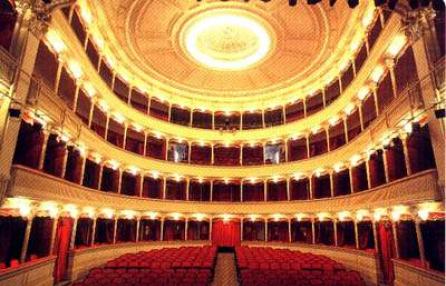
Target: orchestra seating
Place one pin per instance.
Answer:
(266, 266)
(189, 266)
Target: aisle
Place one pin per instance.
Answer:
(225, 271)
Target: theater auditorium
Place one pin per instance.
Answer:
(222, 143)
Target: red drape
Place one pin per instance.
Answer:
(226, 233)
(63, 236)
(387, 250)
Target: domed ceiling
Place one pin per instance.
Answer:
(225, 48)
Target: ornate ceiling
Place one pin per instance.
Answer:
(225, 49)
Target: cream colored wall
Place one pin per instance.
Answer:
(30, 274)
(365, 263)
(82, 260)
(409, 275)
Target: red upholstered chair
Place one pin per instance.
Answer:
(15, 263)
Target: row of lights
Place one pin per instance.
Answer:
(395, 47)
(404, 129)
(437, 5)
(26, 207)
(87, 16)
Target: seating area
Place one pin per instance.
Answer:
(192, 266)
(267, 266)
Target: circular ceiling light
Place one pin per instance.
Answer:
(226, 39)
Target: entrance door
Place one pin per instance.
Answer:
(226, 233)
(62, 247)
(386, 250)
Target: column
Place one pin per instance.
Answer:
(149, 102)
(241, 190)
(304, 101)
(313, 231)
(73, 234)
(189, 151)
(330, 172)
(374, 88)
(310, 178)
(212, 154)
(76, 97)
(107, 123)
(24, 250)
(422, 48)
(241, 155)
(355, 223)
(210, 228)
(191, 119)
(350, 171)
(115, 229)
(164, 187)
(211, 190)
(91, 112)
(113, 80)
(361, 118)
(166, 154)
(289, 230)
(82, 173)
(335, 230)
(141, 184)
(101, 171)
(162, 229)
(266, 230)
(145, 143)
(395, 238)
(344, 119)
(307, 138)
(93, 231)
(327, 137)
(386, 167)
(263, 118)
(53, 235)
(420, 242)
(27, 34)
(367, 168)
(64, 163)
(213, 120)
(126, 128)
(129, 94)
(390, 63)
(43, 150)
(241, 229)
(169, 113)
(241, 120)
(375, 235)
(120, 171)
(265, 190)
(288, 195)
(404, 139)
(186, 227)
(187, 188)
(286, 150)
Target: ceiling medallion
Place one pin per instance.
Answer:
(226, 39)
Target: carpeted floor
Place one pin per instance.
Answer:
(225, 271)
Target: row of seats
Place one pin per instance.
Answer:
(267, 266)
(189, 266)
(146, 277)
(184, 257)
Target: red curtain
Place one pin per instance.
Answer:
(63, 236)
(386, 250)
(226, 233)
